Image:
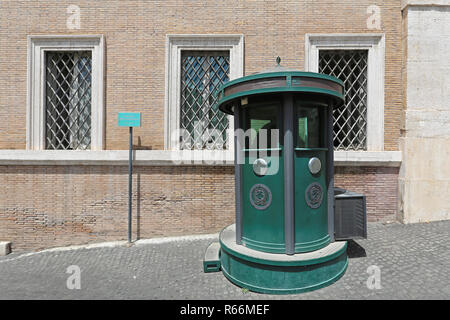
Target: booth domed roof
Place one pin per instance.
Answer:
(279, 79)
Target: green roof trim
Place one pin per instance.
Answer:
(278, 89)
(264, 261)
(281, 74)
(288, 77)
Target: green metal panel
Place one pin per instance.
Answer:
(282, 279)
(311, 224)
(211, 266)
(327, 92)
(291, 84)
(211, 260)
(263, 229)
(287, 74)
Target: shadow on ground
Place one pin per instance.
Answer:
(354, 250)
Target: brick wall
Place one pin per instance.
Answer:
(378, 184)
(135, 34)
(48, 206)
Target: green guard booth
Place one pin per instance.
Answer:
(283, 239)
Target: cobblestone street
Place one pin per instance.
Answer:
(414, 261)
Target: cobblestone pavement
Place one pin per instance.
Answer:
(414, 261)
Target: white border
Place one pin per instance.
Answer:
(175, 43)
(37, 45)
(375, 44)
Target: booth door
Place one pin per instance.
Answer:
(262, 176)
(311, 213)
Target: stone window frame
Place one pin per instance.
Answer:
(175, 43)
(375, 44)
(37, 47)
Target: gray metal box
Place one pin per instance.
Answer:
(350, 218)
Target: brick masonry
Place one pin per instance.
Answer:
(378, 184)
(135, 33)
(47, 206)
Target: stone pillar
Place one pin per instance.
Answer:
(424, 179)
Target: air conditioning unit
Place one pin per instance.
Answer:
(350, 217)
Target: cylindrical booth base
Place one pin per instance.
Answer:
(280, 273)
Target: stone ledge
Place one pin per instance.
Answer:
(115, 157)
(431, 3)
(368, 158)
(175, 158)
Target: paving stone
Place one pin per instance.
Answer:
(413, 260)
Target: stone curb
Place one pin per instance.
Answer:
(113, 244)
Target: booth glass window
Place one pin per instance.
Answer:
(309, 125)
(204, 125)
(263, 120)
(350, 121)
(68, 100)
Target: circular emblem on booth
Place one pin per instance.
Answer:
(314, 195)
(260, 196)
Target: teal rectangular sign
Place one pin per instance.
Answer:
(129, 119)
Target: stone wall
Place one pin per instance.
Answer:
(48, 206)
(425, 173)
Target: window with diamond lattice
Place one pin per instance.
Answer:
(68, 100)
(203, 125)
(350, 121)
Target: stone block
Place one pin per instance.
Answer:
(5, 248)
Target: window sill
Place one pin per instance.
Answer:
(174, 158)
(368, 158)
(115, 157)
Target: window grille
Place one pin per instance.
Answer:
(350, 121)
(68, 100)
(202, 73)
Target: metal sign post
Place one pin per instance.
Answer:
(128, 119)
(130, 180)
